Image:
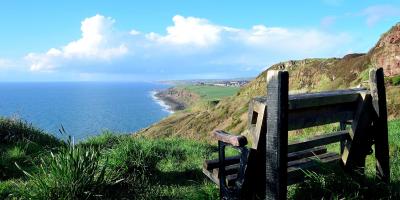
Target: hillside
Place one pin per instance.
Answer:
(305, 75)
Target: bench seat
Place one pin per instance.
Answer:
(308, 159)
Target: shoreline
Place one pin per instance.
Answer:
(167, 101)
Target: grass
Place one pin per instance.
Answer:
(335, 184)
(113, 166)
(395, 80)
(212, 93)
(103, 167)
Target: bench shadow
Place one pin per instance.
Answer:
(180, 178)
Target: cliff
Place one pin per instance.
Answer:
(306, 75)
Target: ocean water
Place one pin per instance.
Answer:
(85, 108)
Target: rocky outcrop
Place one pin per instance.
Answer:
(177, 98)
(386, 52)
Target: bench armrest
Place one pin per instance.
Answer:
(236, 141)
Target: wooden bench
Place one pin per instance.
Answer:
(264, 169)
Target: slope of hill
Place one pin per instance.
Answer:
(305, 75)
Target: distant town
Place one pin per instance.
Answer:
(238, 82)
(225, 83)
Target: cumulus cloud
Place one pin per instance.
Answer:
(295, 41)
(376, 13)
(96, 43)
(191, 31)
(191, 47)
(134, 32)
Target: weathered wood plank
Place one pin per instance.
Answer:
(317, 99)
(307, 100)
(330, 107)
(234, 140)
(354, 153)
(319, 141)
(211, 164)
(277, 134)
(230, 179)
(377, 86)
(296, 170)
(258, 122)
(306, 153)
(211, 176)
(229, 169)
(304, 163)
(304, 118)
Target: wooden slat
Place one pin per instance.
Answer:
(377, 85)
(234, 140)
(211, 164)
(229, 170)
(317, 99)
(319, 141)
(316, 116)
(305, 163)
(230, 179)
(354, 154)
(296, 168)
(314, 109)
(277, 134)
(213, 177)
(306, 153)
(257, 125)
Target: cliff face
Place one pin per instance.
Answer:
(386, 52)
(306, 75)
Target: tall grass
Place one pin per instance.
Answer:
(126, 167)
(22, 143)
(110, 167)
(75, 172)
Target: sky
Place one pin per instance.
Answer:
(45, 41)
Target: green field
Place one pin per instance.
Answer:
(211, 93)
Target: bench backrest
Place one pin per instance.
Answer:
(272, 116)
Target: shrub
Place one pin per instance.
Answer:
(22, 143)
(132, 163)
(396, 80)
(14, 130)
(73, 173)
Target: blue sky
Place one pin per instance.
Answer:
(159, 40)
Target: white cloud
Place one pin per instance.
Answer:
(134, 32)
(96, 43)
(191, 46)
(307, 42)
(190, 30)
(376, 13)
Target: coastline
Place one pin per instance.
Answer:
(167, 101)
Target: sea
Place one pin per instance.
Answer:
(84, 109)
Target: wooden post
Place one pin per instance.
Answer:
(377, 86)
(353, 155)
(277, 134)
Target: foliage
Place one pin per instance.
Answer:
(395, 80)
(21, 142)
(73, 173)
